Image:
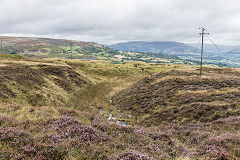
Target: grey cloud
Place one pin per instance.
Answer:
(109, 21)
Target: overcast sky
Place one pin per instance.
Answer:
(111, 21)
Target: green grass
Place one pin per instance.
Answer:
(11, 57)
(90, 95)
(48, 90)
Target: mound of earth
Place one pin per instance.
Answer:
(183, 96)
(38, 83)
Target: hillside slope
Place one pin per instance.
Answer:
(166, 47)
(37, 84)
(48, 47)
(33, 41)
(202, 113)
(182, 96)
(62, 109)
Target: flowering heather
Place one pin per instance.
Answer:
(171, 115)
(49, 151)
(197, 137)
(186, 152)
(153, 134)
(69, 128)
(230, 120)
(132, 155)
(220, 146)
(226, 140)
(215, 152)
(28, 151)
(14, 137)
(101, 124)
(6, 120)
(52, 138)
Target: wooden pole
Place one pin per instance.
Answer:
(202, 34)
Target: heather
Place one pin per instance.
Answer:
(72, 109)
(67, 137)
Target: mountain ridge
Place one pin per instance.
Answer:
(143, 46)
(71, 49)
(186, 51)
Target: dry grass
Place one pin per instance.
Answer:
(49, 110)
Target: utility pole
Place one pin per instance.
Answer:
(71, 48)
(204, 31)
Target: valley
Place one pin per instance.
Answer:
(58, 108)
(119, 80)
(71, 49)
(220, 55)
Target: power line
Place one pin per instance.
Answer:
(213, 43)
(196, 47)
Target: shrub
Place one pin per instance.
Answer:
(221, 146)
(49, 151)
(69, 128)
(14, 137)
(132, 155)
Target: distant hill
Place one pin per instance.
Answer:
(62, 48)
(34, 41)
(48, 47)
(150, 52)
(219, 49)
(154, 47)
(41, 47)
(221, 54)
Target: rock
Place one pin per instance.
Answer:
(32, 110)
